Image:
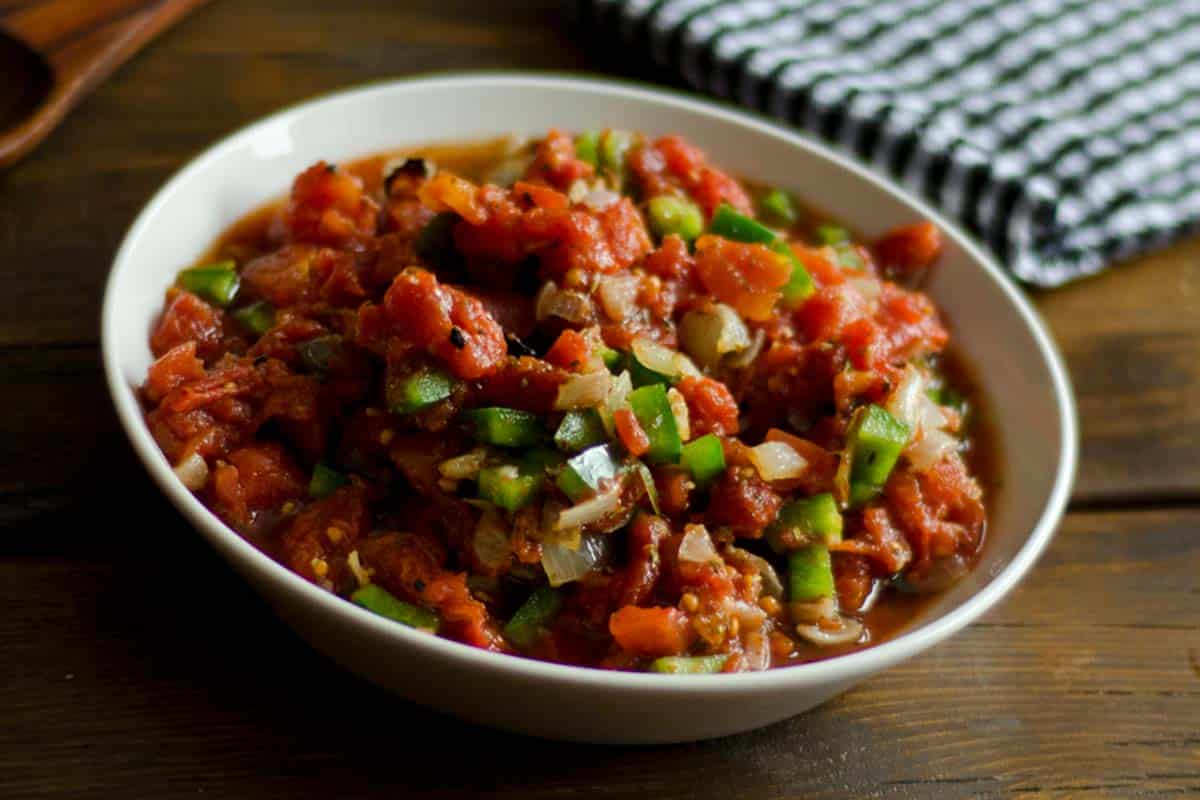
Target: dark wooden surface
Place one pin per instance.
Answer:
(69, 48)
(134, 664)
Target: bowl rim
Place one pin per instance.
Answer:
(825, 672)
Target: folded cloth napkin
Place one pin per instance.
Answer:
(1063, 133)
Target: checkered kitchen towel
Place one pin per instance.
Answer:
(1064, 133)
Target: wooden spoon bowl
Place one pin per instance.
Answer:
(53, 52)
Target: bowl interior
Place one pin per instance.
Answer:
(993, 326)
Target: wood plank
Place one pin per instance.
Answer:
(1133, 364)
(1086, 678)
(1129, 337)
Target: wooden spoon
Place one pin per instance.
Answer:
(53, 52)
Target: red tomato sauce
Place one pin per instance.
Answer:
(585, 398)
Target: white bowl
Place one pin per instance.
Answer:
(1020, 372)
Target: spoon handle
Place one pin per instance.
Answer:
(82, 42)
(55, 28)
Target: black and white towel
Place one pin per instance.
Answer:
(1063, 133)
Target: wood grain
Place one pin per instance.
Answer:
(1130, 339)
(1060, 688)
(136, 665)
(81, 42)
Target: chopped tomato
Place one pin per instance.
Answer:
(446, 323)
(909, 250)
(711, 407)
(746, 276)
(187, 319)
(645, 535)
(650, 631)
(175, 367)
(629, 431)
(448, 192)
(556, 162)
(743, 501)
(329, 206)
(571, 351)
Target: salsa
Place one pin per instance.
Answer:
(586, 398)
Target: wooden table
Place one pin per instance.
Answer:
(134, 664)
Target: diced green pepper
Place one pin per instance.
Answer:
(810, 573)
(385, 604)
(258, 318)
(848, 257)
(647, 479)
(586, 472)
(875, 440)
(653, 411)
(579, 430)
(325, 481)
(832, 234)
(800, 284)
(614, 147)
(217, 283)
(587, 147)
(729, 224)
(539, 459)
(947, 396)
(533, 616)
(417, 390)
(777, 206)
(642, 375)
(317, 354)
(508, 487)
(670, 214)
(805, 519)
(863, 493)
(505, 427)
(611, 358)
(689, 665)
(435, 242)
(704, 458)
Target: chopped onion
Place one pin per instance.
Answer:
(771, 584)
(361, 575)
(577, 190)
(679, 409)
(697, 546)
(746, 357)
(618, 398)
(930, 449)
(777, 461)
(841, 479)
(869, 288)
(656, 357)
(618, 295)
(192, 471)
(749, 616)
(709, 335)
(492, 545)
(464, 467)
(566, 304)
(851, 631)
(564, 564)
(583, 391)
(600, 199)
(594, 509)
(813, 611)
(756, 651)
(904, 403)
(687, 367)
(647, 478)
(931, 416)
